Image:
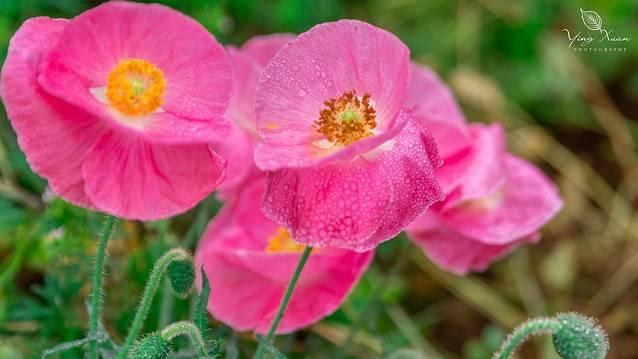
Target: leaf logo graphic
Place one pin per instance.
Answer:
(592, 20)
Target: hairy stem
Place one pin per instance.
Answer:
(189, 329)
(96, 294)
(150, 290)
(285, 300)
(519, 335)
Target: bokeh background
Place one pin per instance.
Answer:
(572, 113)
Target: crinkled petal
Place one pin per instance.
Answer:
(325, 62)
(135, 179)
(359, 203)
(262, 48)
(54, 135)
(234, 258)
(194, 64)
(526, 201)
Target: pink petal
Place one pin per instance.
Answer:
(324, 284)
(54, 135)
(270, 157)
(234, 258)
(195, 66)
(455, 169)
(456, 253)
(451, 138)
(241, 109)
(484, 171)
(527, 200)
(431, 98)
(359, 203)
(135, 179)
(325, 62)
(238, 148)
(262, 48)
(435, 108)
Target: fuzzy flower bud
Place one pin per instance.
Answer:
(153, 346)
(181, 274)
(579, 337)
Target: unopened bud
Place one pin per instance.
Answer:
(181, 273)
(153, 346)
(579, 337)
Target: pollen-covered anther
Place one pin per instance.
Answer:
(281, 242)
(347, 119)
(135, 87)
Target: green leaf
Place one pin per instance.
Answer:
(200, 319)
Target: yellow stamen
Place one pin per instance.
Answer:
(135, 87)
(346, 119)
(282, 242)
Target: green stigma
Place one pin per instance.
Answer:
(349, 115)
(138, 86)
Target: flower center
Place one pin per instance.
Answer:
(282, 242)
(346, 119)
(135, 87)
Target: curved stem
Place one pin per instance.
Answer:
(96, 294)
(519, 335)
(285, 300)
(189, 329)
(150, 290)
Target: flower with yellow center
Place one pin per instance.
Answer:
(281, 242)
(135, 87)
(347, 119)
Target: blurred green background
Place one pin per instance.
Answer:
(573, 113)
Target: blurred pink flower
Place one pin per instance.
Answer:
(349, 167)
(116, 107)
(248, 62)
(249, 260)
(494, 201)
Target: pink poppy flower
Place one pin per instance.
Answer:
(250, 259)
(116, 107)
(349, 167)
(248, 62)
(494, 202)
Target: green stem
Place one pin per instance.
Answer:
(519, 335)
(167, 299)
(189, 329)
(285, 300)
(150, 290)
(96, 295)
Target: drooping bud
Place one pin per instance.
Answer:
(153, 346)
(579, 337)
(181, 274)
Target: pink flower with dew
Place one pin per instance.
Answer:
(495, 201)
(348, 165)
(116, 107)
(250, 259)
(248, 62)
